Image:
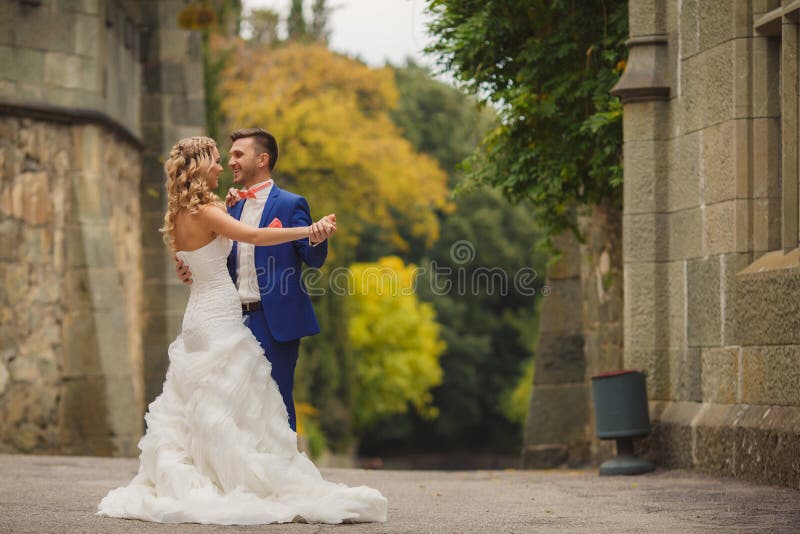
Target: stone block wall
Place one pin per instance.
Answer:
(70, 378)
(556, 431)
(710, 257)
(80, 55)
(93, 93)
(580, 335)
(173, 97)
(602, 307)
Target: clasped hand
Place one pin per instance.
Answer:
(322, 229)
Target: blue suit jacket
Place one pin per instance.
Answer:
(285, 302)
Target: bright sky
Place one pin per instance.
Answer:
(374, 30)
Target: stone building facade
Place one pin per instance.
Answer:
(709, 249)
(92, 94)
(710, 232)
(712, 269)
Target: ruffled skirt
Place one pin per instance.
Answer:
(218, 447)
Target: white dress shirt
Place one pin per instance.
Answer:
(246, 277)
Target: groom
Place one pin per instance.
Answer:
(275, 303)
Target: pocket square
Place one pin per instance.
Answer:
(276, 223)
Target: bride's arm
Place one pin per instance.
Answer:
(219, 222)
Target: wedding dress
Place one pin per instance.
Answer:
(218, 446)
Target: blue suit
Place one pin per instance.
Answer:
(287, 313)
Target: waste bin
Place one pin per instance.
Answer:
(620, 408)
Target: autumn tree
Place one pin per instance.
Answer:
(339, 146)
(263, 25)
(320, 14)
(395, 340)
(488, 329)
(296, 22)
(438, 119)
(488, 335)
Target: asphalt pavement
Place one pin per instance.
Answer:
(59, 494)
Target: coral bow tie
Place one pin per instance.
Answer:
(251, 193)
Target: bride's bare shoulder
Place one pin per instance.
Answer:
(210, 210)
(203, 216)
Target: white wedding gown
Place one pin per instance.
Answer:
(218, 446)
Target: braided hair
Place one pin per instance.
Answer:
(186, 169)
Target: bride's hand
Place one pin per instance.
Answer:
(232, 197)
(183, 272)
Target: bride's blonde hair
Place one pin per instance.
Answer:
(189, 161)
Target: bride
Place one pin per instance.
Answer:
(218, 446)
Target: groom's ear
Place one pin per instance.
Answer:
(263, 159)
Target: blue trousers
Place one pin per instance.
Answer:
(282, 356)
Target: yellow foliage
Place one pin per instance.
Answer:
(309, 429)
(338, 145)
(196, 16)
(395, 339)
(303, 410)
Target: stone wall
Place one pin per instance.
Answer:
(602, 307)
(580, 335)
(710, 233)
(93, 93)
(557, 428)
(70, 378)
(173, 97)
(75, 54)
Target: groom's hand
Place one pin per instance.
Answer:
(183, 271)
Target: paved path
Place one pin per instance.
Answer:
(58, 494)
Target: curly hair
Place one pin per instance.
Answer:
(186, 168)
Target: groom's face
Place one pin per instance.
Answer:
(244, 161)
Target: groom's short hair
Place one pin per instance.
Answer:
(264, 140)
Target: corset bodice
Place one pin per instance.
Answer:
(213, 301)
